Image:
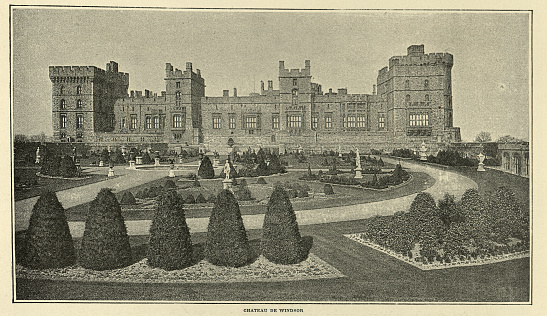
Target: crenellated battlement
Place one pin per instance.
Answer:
(305, 72)
(420, 59)
(188, 73)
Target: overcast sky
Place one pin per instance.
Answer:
(490, 77)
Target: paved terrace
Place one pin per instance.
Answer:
(446, 181)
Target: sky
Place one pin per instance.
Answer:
(490, 76)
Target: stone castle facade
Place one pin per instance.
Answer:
(410, 104)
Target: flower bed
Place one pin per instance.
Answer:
(203, 272)
(436, 264)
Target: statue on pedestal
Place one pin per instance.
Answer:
(358, 169)
(423, 152)
(481, 164)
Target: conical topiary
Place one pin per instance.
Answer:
(170, 246)
(227, 243)
(105, 244)
(189, 199)
(200, 199)
(261, 181)
(327, 189)
(128, 199)
(169, 184)
(67, 167)
(281, 240)
(48, 240)
(206, 170)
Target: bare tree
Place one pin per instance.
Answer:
(483, 137)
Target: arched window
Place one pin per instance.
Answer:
(426, 84)
(407, 84)
(407, 98)
(427, 97)
(294, 97)
(61, 90)
(177, 95)
(79, 90)
(79, 104)
(63, 104)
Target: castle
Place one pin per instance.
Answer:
(410, 104)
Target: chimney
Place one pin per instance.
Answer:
(307, 62)
(235, 92)
(147, 93)
(374, 89)
(132, 93)
(225, 93)
(163, 93)
(198, 72)
(281, 65)
(138, 94)
(261, 86)
(168, 69)
(270, 84)
(330, 90)
(189, 66)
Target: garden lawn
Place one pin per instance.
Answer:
(49, 183)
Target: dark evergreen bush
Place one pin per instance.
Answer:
(170, 184)
(206, 170)
(170, 246)
(508, 216)
(189, 199)
(302, 192)
(51, 165)
(48, 240)
(212, 199)
(105, 244)
(227, 243)
(128, 199)
(261, 181)
(281, 240)
(262, 169)
(200, 199)
(67, 168)
(243, 182)
(196, 183)
(146, 158)
(327, 189)
(275, 165)
(243, 193)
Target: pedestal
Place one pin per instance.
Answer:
(111, 172)
(132, 164)
(171, 173)
(156, 162)
(423, 157)
(138, 160)
(481, 167)
(101, 163)
(37, 159)
(227, 184)
(216, 162)
(358, 174)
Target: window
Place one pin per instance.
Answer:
(63, 104)
(381, 121)
(314, 120)
(295, 97)
(351, 121)
(177, 95)
(407, 98)
(148, 122)
(217, 121)
(79, 104)
(178, 84)
(294, 82)
(275, 121)
(156, 122)
(232, 121)
(112, 122)
(79, 90)
(61, 90)
(133, 122)
(295, 121)
(361, 121)
(122, 123)
(427, 97)
(407, 84)
(79, 120)
(419, 119)
(177, 136)
(328, 120)
(426, 84)
(79, 135)
(62, 135)
(177, 121)
(62, 123)
(250, 122)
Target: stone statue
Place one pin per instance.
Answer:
(37, 155)
(357, 159)
(227, 169)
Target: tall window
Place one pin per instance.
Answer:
(232, 121)
(351, 121)
(275, 121)
(427, 97)
(177, 121)
(217, 121)
(63, 104)
(419, 119)
(178, 84)
(61, 90)
(295, 121)
(79, 90)
(407, 98)
(294, 82)
(79, 120)
(361, 121)
(133, 122)
(79, 104)
(295, 97)
(426, 84)
(250, 122)
(314, 121)
(328, 120)
(62, 122)
(407, 84)
(148, 122)
(156, 122)
(381, 121)
(177, 95)
(122, 123)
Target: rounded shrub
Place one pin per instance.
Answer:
(206, 170)
(105, 244)
(48, 240)
(243, 193)
(189, 199)
(170, 246)
(261, 181)
(262, 168)
(327, 189)
(200, 199)
(51, 165)
(227, 243)
(281, 240)
(67, 168)
(423, 203)
(169, 184)
(128, 199)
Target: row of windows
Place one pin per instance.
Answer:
(418, 119)
(78, 90)
(355, 121)
(62, 104)
(407, 98)
(79, 120)
(407, 84)
(155, 122)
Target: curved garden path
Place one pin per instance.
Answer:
(445, 181)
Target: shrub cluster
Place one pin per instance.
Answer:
(57, 166)
(206, 170)
(452, 158)
(403, 153)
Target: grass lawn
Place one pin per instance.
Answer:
(49, 184)
(344, 195)
(371, 276)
